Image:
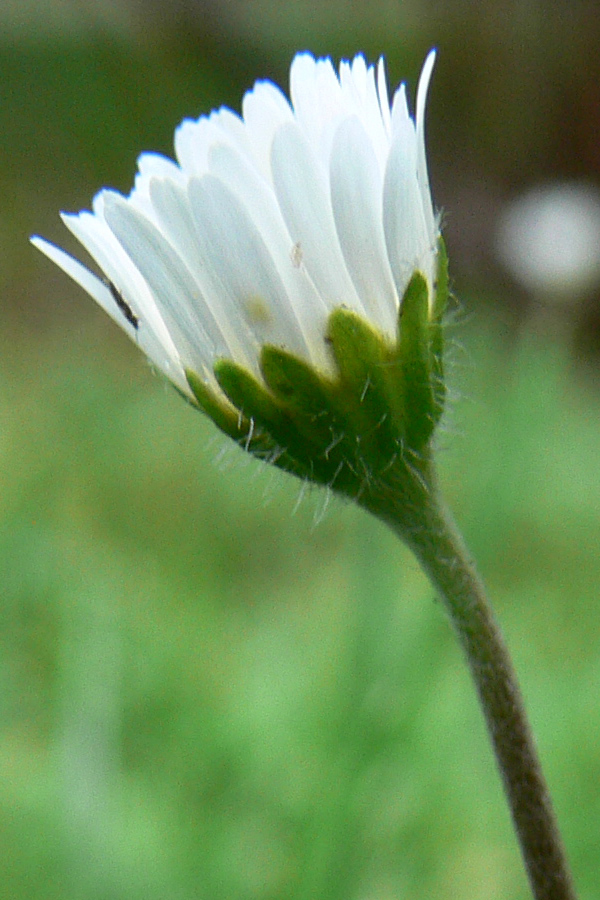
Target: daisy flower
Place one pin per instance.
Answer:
(229, 265)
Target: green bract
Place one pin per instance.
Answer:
(376, 416)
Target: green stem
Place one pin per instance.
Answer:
(415, 513)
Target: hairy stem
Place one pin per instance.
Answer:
(417, 516)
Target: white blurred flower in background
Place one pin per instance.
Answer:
(549, 239)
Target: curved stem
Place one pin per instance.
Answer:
(418, 517)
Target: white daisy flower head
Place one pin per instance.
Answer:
(286, 272)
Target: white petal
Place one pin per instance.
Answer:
(317, 100)
(304, 201)
(236, 251)
(265, 108)
(356, 194)
(95, 235)
(384, 100)
(231, 125)
(406, 234)
(193, 139)
(155, 165)
(176, 220)
(152, 165)
(422, 158)
(358, 86)
(305, 303)
(187, 315)
(172, 213)
(163, 354)
(400, 119)
(423, 88)
(93, 285)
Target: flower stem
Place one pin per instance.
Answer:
(417, 515)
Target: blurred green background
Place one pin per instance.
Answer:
(208, 690)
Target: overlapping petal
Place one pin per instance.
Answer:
(267, 222)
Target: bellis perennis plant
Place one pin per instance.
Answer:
(287, 275)
(266, 271)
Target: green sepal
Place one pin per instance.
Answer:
(414, 356)
(293, 444)
(247, 394)
(320, 411)
(295, 382)
(216, 408)
(370, 383)
(232, 422)
(309, 397)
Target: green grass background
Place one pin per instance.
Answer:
(186, 706)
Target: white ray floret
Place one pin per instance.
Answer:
(267, 222)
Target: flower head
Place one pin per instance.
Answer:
(264, 272)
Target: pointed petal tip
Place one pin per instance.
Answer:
(46, 247)
(423, 87)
